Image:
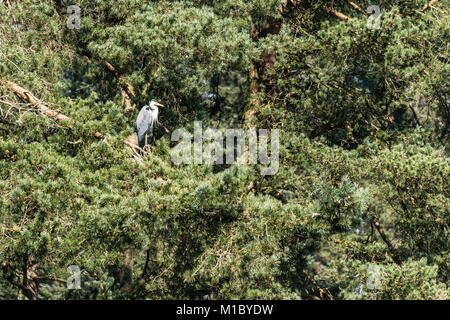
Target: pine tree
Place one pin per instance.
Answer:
(363, 179)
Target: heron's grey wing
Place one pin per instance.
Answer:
(144, 123)
(140, 125)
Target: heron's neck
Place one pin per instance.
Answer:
(155, 116)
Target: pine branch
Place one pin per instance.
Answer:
(126, 89)
(416, 117)
(52, 279)
(386, 240)
(147, 258)
(354, 5)
(321, 290)
(41, 106)
(429, 4)
(28, 96)
(336, 13)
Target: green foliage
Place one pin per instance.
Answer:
(413, 280)
(364, 127)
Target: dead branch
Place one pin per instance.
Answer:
(165, 129)
(28, 96)
(389, 244)
(429, 4)
(125, 89)
(39, 105)
(14, 106)
(135, 147)
(336, 13)
(354, 5)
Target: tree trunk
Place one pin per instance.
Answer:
(126, 274)
(258, 78)
(30, 286)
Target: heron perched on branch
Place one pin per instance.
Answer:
(147, 117)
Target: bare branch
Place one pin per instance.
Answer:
(126, 89)
(336, 13)
(354, 5)
(386, 240)
(28, 96)
(39, 105)
(429, 4)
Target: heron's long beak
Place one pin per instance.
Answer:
(159, 104)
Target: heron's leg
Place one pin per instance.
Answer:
(148, 140)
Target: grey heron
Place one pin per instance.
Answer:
(147, 117)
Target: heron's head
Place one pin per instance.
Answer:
(154, 104)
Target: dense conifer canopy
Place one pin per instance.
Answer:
(364, 175)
